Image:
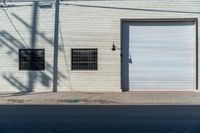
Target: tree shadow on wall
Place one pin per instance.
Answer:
(13, 45)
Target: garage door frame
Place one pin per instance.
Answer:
(127, 20)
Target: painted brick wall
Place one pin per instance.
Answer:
(83, 24)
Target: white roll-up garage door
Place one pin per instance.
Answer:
(159, 56)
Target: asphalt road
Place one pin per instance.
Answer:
(99, 119)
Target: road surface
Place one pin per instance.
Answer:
(99, 119)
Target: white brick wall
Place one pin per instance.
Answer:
(81, 27)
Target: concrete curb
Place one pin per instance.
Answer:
(114, 98)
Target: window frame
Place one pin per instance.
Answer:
(96, 50)
(19, 60)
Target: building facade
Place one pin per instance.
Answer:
(104, 46)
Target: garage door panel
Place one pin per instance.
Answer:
(158, 86)
(159, 56)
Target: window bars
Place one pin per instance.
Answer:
(84, 59)
(31, 59)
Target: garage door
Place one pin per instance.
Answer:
(159, 56)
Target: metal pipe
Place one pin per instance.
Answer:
(56, 35)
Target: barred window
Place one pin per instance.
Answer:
(84, 59)
(31, 59)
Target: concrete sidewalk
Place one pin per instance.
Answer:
(117, 98)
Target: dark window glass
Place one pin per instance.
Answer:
(31, 59)
(84, 59)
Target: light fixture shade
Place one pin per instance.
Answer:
(113, 47)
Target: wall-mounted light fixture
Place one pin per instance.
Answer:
(114, 47)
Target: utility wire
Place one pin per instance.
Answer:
(15, 27)
(64, 52)
(126, 8)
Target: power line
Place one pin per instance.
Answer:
(15, 28)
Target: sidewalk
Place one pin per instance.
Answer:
(115, 98)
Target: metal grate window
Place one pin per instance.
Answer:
(31, 59)
(84, 59)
